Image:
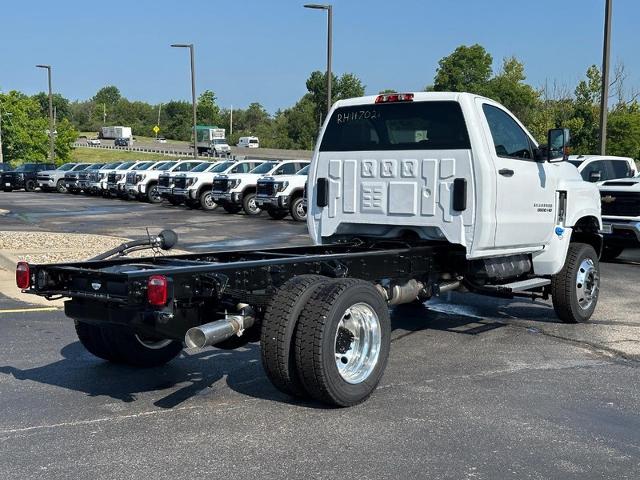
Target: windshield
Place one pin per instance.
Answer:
(96, 166)
(219, 141)
(111, 165)
(26, 167)
(576, 163)
(145, 166)
(166, 166)
(221, 167)
(201, 168)
(80, 166)
(66, 166)
(125, 165)
(433, 125)
(253, 141)
(304, 171)
(264, 167)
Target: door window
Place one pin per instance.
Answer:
(509, 139)
(591, 171)
(287, 169)
(620, 169)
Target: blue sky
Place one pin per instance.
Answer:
(252, 50)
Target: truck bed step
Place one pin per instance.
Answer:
(526, 285)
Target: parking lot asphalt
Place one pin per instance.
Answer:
(475, 387)
(197, 230)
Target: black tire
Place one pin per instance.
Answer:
(60, 187)
(206, 200)
(296, 210)
(91, 338)
(611, 252)
(315, 342)
(277, 214)
(152, 194)
(130, 350)
(249, 204)
(7, 189)
(30, 186)
(231, 207)
(566, 284)
(278, 332)
(174, 201)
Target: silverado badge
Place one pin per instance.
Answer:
(96, 285)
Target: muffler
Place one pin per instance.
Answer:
(220, 330)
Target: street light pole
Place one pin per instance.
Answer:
(1, 156)
(329, 9)
(52, 144)
(193, 93)
(604, 94)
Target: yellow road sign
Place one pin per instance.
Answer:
(156, 129)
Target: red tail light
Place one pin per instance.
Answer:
(395, 97)
(23, 275)
(157, 290)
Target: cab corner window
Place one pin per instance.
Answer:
(509, 139)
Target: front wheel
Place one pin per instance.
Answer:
(153, 195)
(206, 200)
(342, 342)
(249, 204)
(575, 289)
(60, 186)
(298, 210)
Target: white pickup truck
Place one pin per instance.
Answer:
(238, 191)
(284, 194)
(409, 195)
(194, 187)
(620, 215)
(165, 183)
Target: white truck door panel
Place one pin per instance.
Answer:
(525, 189)
(398, 189)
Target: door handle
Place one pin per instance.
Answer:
(507, 172)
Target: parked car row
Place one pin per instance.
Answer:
(251, 186)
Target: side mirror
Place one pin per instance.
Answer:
(595, 176)
(558, 144)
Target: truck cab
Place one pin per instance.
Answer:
(194, 187)
(448, 167)
(115, 179)
(599, 168)
(283, 194)
(98, 179)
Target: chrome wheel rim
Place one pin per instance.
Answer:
(587, 283)
(153, 193)
(301, 211)
(253, 208)
(152, 344)
(357, 343)
(208, 202)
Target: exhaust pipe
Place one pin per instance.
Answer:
(218, 331)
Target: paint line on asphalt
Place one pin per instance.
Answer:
(98, 420)
(30, 309)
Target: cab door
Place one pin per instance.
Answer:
(525, 188)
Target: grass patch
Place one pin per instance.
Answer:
(99, 155)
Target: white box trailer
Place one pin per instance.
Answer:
(115, 132)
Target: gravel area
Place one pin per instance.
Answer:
(47, 247)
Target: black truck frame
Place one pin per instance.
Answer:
(320, 312)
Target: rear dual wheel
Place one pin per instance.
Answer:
(328, 339)
(120, 345)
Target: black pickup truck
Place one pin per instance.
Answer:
(24, 176)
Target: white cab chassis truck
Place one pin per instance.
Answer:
(620, 215)
(409, 195)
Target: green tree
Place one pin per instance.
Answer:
(60, 105)
(345, 86)
(208, 112)
(24, 137)
(108, 95)
(467, 69)
(66, 135)
(623, 131)
(177, 120)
